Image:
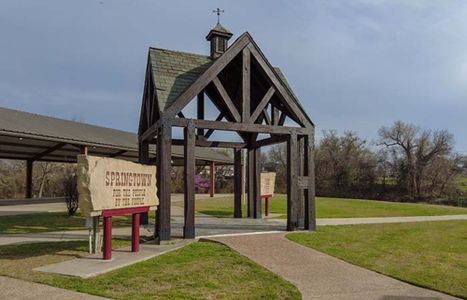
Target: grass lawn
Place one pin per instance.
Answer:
(428, 254)
(51, 222)
(199, 270)
(335, 208)
(462, 183)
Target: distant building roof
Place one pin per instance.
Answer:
(25, 135)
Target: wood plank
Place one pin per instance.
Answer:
(231, 109)
(241, 127)
(292, 170)
(189, 182)
(237, 183)
(200, 111)
(310, 203)
(212, 72)
(262, 104)
(246, 85)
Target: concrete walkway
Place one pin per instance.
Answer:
(320, 276)
(93, 265)
(15, 289)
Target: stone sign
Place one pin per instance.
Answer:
(268, 181)
(109, 183)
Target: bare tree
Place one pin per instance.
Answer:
(418, 148)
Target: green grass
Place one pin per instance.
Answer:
(462, 183)
(335, 208)
(199, 270)
(41, 222)
(428, 254)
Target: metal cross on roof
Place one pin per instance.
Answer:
(218, 11)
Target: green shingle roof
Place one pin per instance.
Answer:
(174, 72)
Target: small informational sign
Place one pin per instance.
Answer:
(268, 181)
(109, 183)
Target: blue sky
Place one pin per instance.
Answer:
(355, 65)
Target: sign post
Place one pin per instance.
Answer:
(268, 181)
(108, 187)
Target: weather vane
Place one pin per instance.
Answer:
(218, 11)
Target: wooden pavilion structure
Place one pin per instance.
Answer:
(253, 99)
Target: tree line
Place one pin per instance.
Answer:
(406, 163)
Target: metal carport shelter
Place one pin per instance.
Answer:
(33, 137)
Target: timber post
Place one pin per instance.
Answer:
(189, 182)
(238, 183)
(29, 170)
(164, 151)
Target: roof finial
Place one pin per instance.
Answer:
(218, 11)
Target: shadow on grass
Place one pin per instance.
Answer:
(21, 251)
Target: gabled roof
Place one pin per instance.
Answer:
(174, 72)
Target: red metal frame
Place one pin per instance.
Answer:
(266, 203)
(107, 215)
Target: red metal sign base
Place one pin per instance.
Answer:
(107, 214)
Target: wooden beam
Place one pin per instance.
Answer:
(200, 111)
(262, 104)
(118, 153)
(211, 131)
(269, 141)
(246, 85)
(266, 117)
(212, 144)
(300, 192)
(48, 151)
(29, 167)
(251, 183)
(149, 134)
(143, 158)
(189, 184)
(292, 190)
(237, 183)
(164, 147)
(309, 170)
(212, 179)
(274, 115)
(241, 127)
(257, 184)
(212, 72)
(180, 114)
(282, 119)
(231, 109)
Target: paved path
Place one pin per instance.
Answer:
(15, 289)
(320, 276)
